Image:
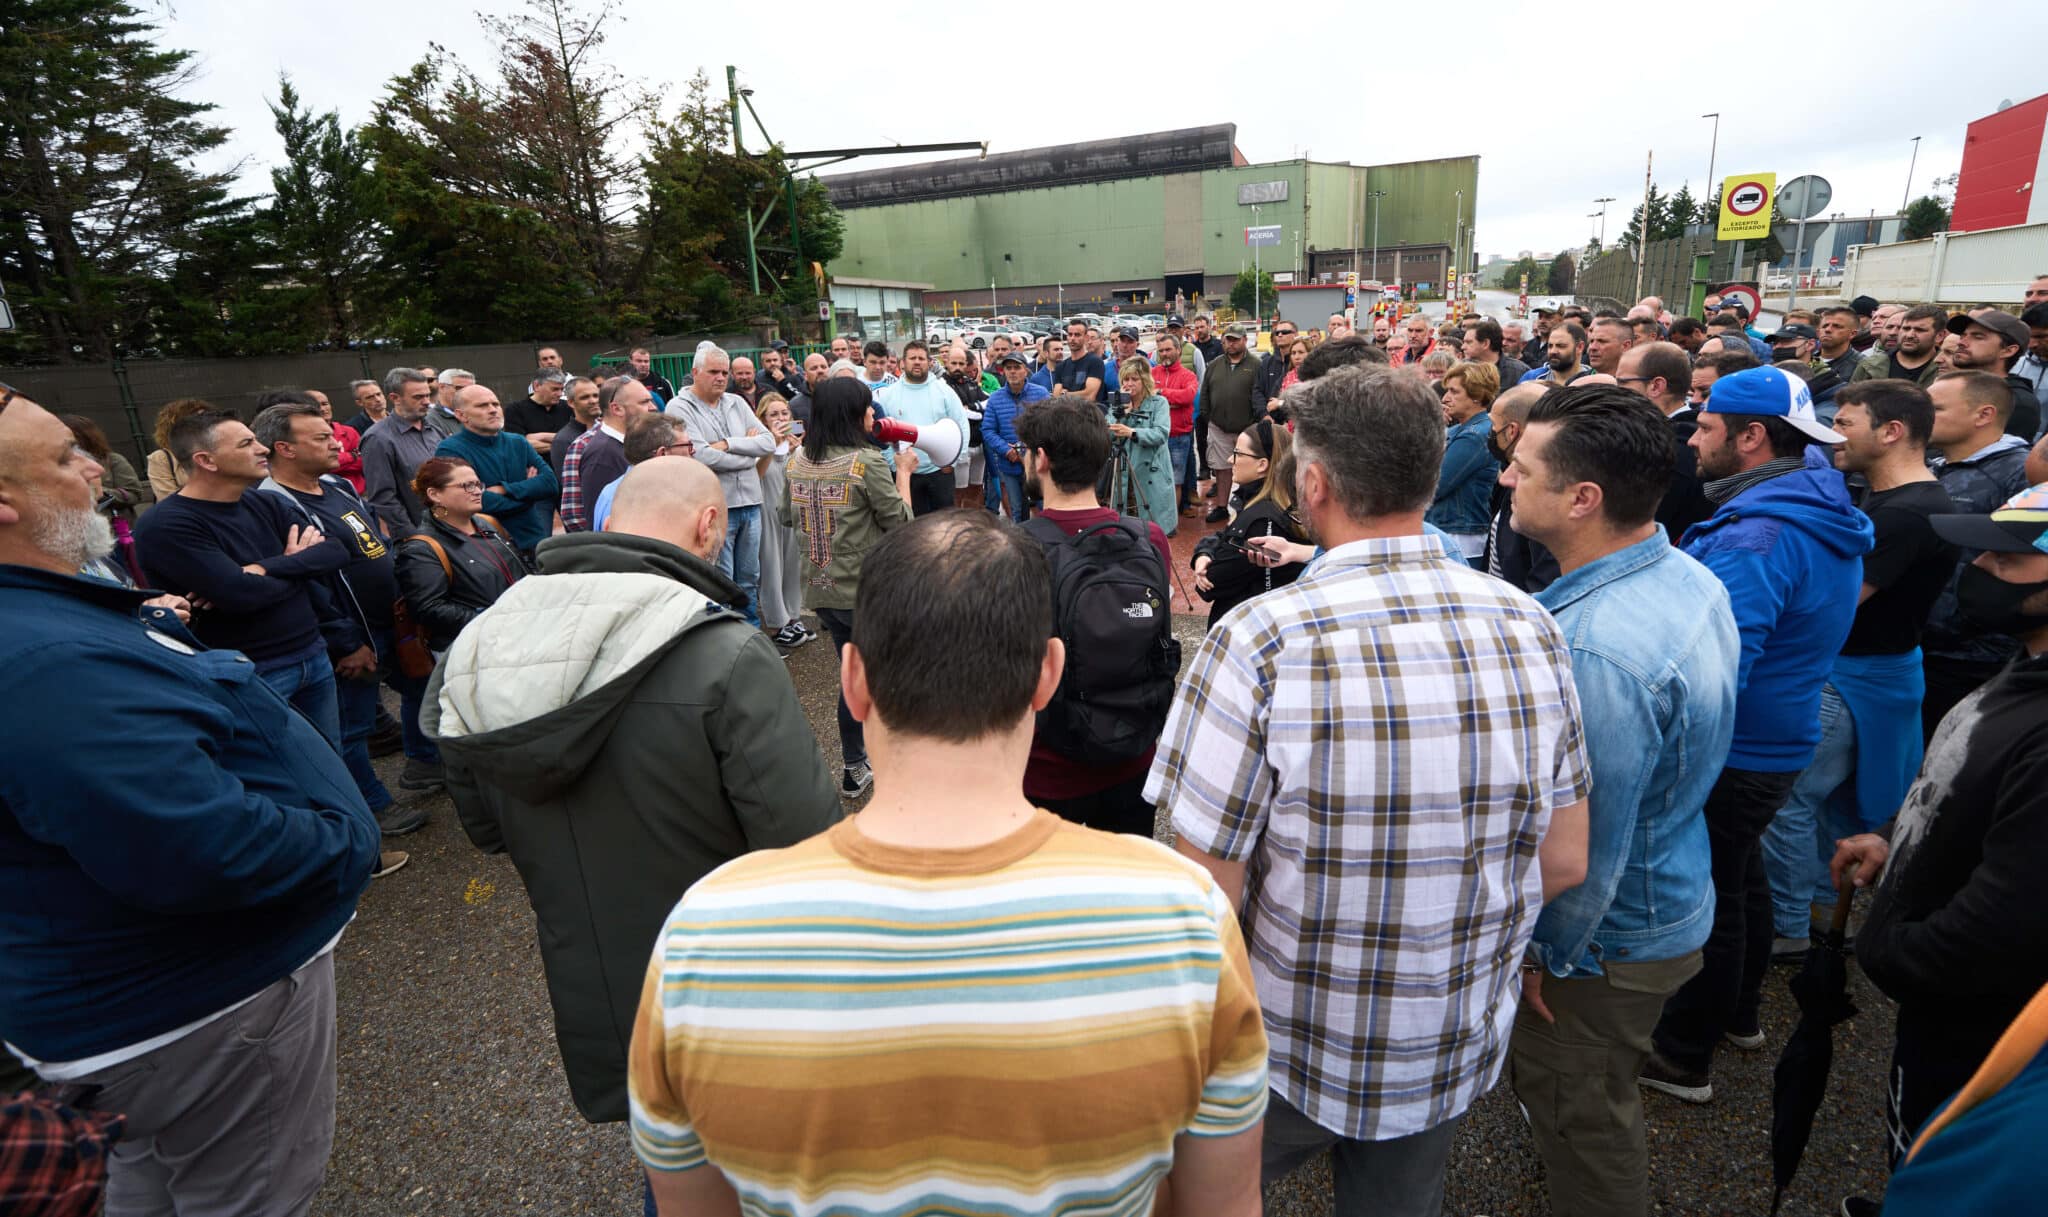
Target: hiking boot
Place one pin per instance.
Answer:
(420, 777)
(389, 860)
(1659, 1073)
(399, 819)
(854, 780)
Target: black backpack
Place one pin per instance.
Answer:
(1113, 609)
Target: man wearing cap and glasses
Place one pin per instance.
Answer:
(1788, 544)
(1227, 403)
(1993, 341)
(1273, 367)
(1798, 343)
(1958, 933)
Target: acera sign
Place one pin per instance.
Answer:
(1746, 206)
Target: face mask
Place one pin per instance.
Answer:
(1784, 353)
(1992, 604)
(1500, 454)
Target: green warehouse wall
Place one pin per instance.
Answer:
(1103, 231)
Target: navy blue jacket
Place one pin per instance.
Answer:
(173, 837)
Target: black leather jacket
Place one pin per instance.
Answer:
(483, 566)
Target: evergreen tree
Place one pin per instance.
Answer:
(1682, 211)
(1562, 272)
(323, 217)
(1924, 217)
(103, 215)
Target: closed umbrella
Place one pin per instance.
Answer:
(1801, 1077)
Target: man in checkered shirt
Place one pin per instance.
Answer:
(1383, 764)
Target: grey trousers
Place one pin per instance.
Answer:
(233, 1120)
(1399, 1178)
(1577, 1080)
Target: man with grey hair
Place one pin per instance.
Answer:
(443, 415)
(1370, 838)
(396, 447)
(1512, 336)
(542, 412)
(581, 396)
(732, 441)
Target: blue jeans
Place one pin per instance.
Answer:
(1001, 478)
(307, 682)
(410, 691)
(358, 704)
(740, 560)
(1801, 839)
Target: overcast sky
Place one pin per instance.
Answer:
(1560, 110)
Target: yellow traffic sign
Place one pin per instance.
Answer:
(1746, 200)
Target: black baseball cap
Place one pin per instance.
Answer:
(2018, 526)
(1125, 331)
(1013, 356)
(778, 345)
(1865, 306)
(1795, 330)
(1175, 321)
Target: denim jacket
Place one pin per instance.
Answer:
(1464, 489)
(1654, 655)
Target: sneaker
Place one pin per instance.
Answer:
(420, 777)
(1658, 1073)
(1857, 1206)
(1217, 515)
(792, 636)
(854, 780)
(399, 819)
(390, 860)
(1791, 951)
(1748, 1041)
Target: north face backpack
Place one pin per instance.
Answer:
(1113, 609)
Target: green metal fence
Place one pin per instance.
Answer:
(675, 368)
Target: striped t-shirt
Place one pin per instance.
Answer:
(1025, 1026)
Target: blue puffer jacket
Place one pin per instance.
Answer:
(999, 421)
(1790, 552)
(173, 836)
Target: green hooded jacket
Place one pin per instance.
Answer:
(620, 731)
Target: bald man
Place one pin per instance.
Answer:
(620, 730)
(1520, 560)
(520, 489)
(172, 903)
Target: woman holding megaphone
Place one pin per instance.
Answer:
(841, 493)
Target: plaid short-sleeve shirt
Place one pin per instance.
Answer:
(1383, 742)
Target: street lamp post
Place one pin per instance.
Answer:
(1713, 147)
(1457, 235)
(1906, 199)
(1603, 221)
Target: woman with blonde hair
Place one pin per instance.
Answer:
(1143, 425)
(1263, 465)
(165, 474)
(782, 574)
(1464, 486)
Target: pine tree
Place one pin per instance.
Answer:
(1562, 271)
(323, 218)
(100, 202)
(1924, 217)
(1682, 212)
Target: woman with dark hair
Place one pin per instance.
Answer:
(121, 491)
(1263, 468)
(462, 561)
(165, 475)
(839, 496)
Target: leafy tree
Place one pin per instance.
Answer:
(1511, 275)
(1562, 272)
(1242, 292)
(100, 203)
(323, 217)
(1924, 217)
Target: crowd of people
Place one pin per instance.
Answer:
(1555, 682)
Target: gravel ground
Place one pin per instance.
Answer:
(452, 1098)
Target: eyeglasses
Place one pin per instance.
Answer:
(1250, 456)
(472, 484)
(1632, 380)
(683, 445)
(1284, 333)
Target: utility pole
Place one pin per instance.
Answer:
(1643, 240)
(732, 100)
(1372, 199)
(1255, 269)
(1457, 233)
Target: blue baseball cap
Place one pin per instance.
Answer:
(1772, 393)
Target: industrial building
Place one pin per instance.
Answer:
(1133, 223)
